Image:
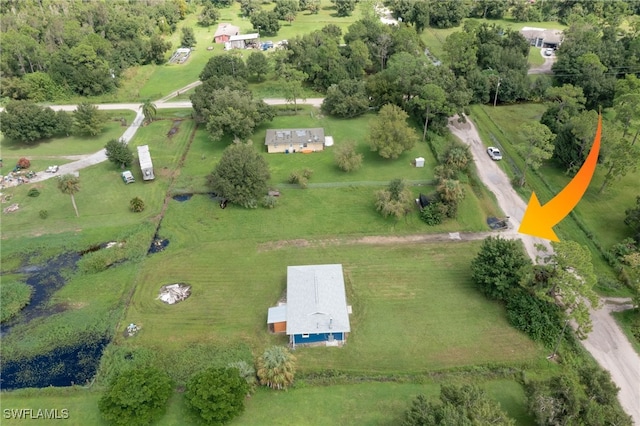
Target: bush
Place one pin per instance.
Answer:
(540, 320)
(136, 205)
(33, 192)
(269, 202)
(433, 214)
(301, 177)
(136, 397)
(23, 163)
(44, 214)
(347, 158)
(216, 395)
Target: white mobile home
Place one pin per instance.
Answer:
(145, 162)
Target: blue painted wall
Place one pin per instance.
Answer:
(315, 337)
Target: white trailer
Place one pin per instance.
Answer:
(145, 162)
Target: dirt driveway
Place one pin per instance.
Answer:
(608, 345)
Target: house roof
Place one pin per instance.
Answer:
(548, 36)
(316, 300)
(277, 314)
(225, 28)
(294, 136)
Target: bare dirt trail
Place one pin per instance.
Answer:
(606, 343)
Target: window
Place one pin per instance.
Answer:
(304, 145)
(305, 336)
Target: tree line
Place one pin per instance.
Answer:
(55, 49)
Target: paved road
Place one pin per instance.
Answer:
(607, 343)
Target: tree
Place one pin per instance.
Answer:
(257, 65)
(209, 16)
(149, 110)
(555, 401)
(119, 153)
(230, 112)
(461, 50)
(396, 200)
(240, 176)
(70, 184)
(346, 156)
(249, 7)
(568, 282)
(265, 22)
(286, 7)
(292, 84)
(313, 6)
(447, 13)
(344, 7)
(620, 157)
(498, 267)
(229, 64)
(460, 406)
(389, 134)
(136, 397)
(450, 193)
(432, 99)
(457, 157)
(188, 38)
(535, 147)
(157, 48)
(88, 120)
(632, 216)
(26, 122)
(216, 395)
(346, 99)
(276, 368)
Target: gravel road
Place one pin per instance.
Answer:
(606, 343)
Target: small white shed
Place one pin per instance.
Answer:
(419, 162)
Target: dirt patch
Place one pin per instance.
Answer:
(174, 129)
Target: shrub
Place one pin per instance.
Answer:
(216, 395)
(33, 192)
(347, 158)
(24, 163)
(433, 214)
(301, 177)
(540, 320)
(269, 202)
(136, 205)
(44, 214)
(136, 397)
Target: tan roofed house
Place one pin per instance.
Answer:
(295, 140)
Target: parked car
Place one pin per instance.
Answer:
(127, 177)
(494, 153)
(548, 52)
(52, 169)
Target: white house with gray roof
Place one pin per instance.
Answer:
(316, 308)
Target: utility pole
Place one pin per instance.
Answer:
(495, 98)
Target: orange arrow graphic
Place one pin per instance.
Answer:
(538, 220)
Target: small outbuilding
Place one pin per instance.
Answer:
(242, 41)
(224, 32)
(277, 319)
(295, 140)
(420, 162)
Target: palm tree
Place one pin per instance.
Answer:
(276, 367)
(70, 184)
(149, 110)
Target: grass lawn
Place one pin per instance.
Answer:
(535, 58)
(629, 322)
(370, 403)
(603, 214)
